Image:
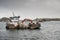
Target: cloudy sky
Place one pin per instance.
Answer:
(30, 8)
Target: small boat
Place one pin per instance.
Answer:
(35, 26)
(14, 23)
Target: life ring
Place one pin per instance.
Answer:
(27, 20)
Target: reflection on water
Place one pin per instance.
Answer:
(49, 31)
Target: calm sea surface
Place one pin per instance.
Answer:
(49, 31)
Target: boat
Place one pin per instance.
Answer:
(15, 24)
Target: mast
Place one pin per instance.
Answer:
(13, 14)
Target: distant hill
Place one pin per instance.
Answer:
(47, 19)
(5, 19)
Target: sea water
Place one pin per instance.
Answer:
(50, 30)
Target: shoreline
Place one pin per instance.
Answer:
(5, 19)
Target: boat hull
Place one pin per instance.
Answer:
(21, 26)
(18, 27)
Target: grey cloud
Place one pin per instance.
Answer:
(41, 8)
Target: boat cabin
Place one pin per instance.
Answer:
(15, 18)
